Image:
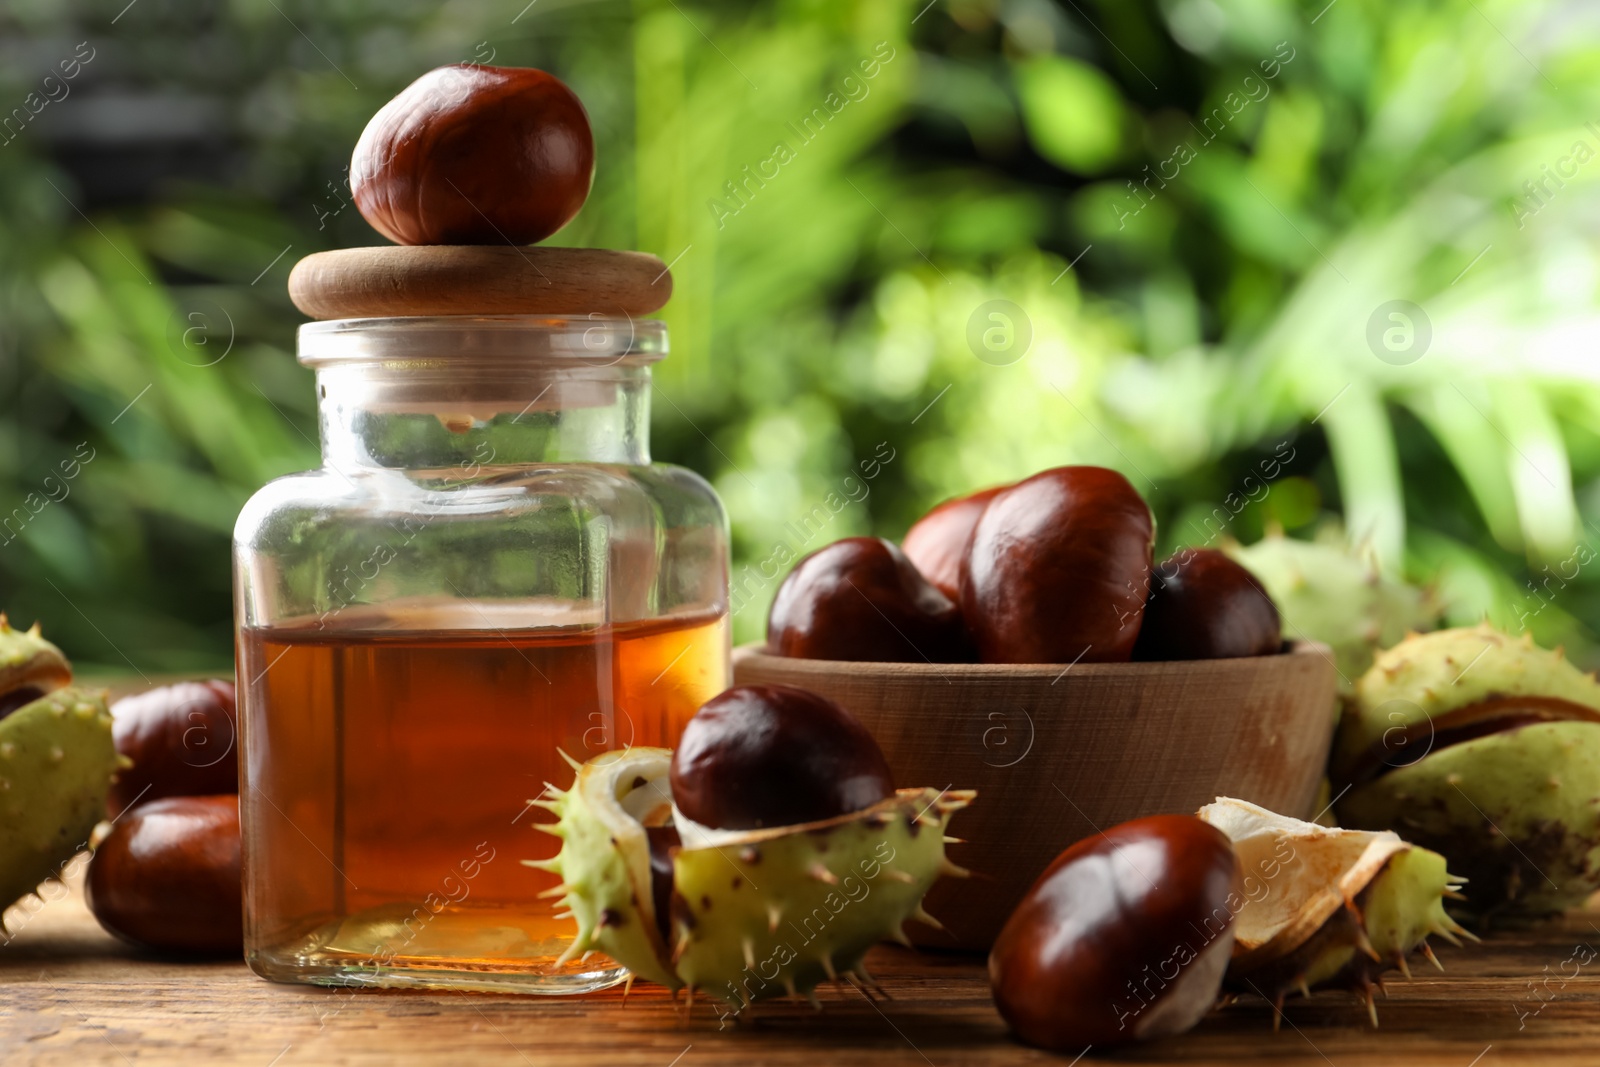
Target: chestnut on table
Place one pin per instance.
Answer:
(182, 740)
(168, 876)
(1073, 966)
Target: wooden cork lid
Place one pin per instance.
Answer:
(406, 280)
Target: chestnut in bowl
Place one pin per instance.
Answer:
(861, 599)
(937, 542)
(1125, 937)
(774, 755)
(1058, 569)
(474, 155)
(1203, 605)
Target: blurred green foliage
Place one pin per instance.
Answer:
(1198, 212)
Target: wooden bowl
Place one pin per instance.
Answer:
(1058, 753)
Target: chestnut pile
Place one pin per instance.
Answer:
(766, 854)
(1054, 569)
(161, 767)
(166, 876)
(1138, 932)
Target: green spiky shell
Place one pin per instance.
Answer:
(1329, 593)
(27, 659)
(605, 856)
(57, 758)
(1515, 811)
(781, 910)
(1328, 908)
(758, 914)
(1428, 675)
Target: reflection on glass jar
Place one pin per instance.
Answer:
(486, 572)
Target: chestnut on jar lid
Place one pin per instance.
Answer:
(469, 154)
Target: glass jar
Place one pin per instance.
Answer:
(486, 572)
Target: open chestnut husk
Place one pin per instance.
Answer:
(775, 755)
(778, 857)
(1203, 605)
(1058, 569)
(469, 154)
(861, 599)
(937, 542)
(1125, 937)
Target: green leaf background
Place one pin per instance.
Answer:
(1197, 206)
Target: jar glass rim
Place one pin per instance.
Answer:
(516, 339)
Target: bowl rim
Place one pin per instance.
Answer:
(756, 653)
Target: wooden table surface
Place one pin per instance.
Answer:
(70, 995)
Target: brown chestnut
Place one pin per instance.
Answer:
(167, 876)
(182, 739)
(936, 543)
(1058, 569)
(1203, 605)
(1125, 937)
(474, 155)
(774, 755)
(861, 599)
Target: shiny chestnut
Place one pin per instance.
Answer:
(861, 599)
(474, 155)
(774, 755)
(1203, 605)
(937, 542)
(1058, 569)
(182, 739)
(1125, 937)
(167, 877)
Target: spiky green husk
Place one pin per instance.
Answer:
(1328, 908)
(1428, 675)
(1330, 593)
(56, 763)
(605, 856)
(757, 914)
(804, 904)
(27, 659)
(1514, 811)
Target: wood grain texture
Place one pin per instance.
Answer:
(71, 996)
(392, 280)
(1059, 753)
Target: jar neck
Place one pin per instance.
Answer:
(455, 422)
